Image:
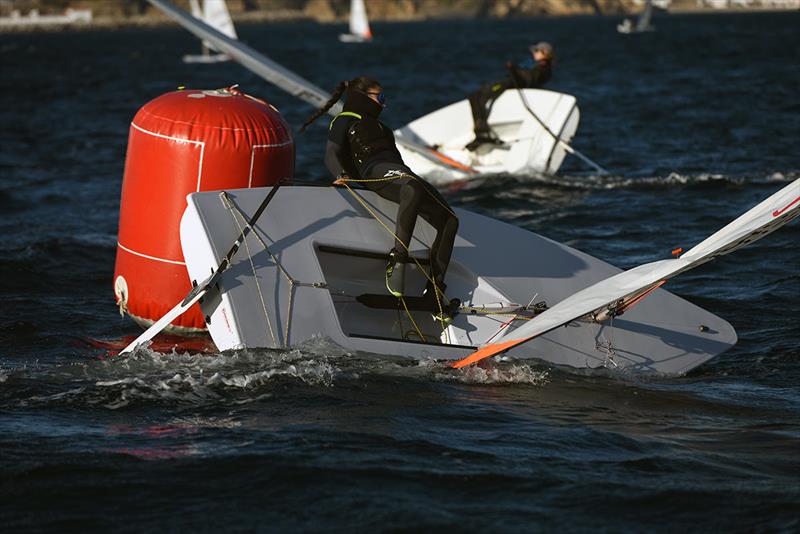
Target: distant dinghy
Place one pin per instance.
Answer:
(642, 23)
(214, 13)
(359, 24)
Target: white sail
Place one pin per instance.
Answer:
(643, 22)
(614, 295)
(359, 24)
(216, 15)
(197, 11)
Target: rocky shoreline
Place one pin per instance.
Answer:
(133, 13)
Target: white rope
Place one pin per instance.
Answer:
(607, 345)
(229, 205)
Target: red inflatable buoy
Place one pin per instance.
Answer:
(179, 143)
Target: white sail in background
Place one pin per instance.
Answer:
(614, 295)
(359, 24)
(214, 13)
(643, 22)
(197, 11)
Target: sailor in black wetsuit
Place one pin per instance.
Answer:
(362, 149)
(482, 100)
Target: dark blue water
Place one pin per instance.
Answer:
(698, 121)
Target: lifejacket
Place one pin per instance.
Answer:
(368, 137)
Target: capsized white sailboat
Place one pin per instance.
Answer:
(535, 139)
(359, 24)
(296, 272)
(214, 13)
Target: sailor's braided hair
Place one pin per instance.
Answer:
(361, 84)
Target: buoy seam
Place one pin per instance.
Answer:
(282, 143)
(253, 157)
(173, 121)
(178, 139)
(126, 249)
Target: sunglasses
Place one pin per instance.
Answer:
(381, 97)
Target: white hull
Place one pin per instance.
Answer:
(352, 38)
(528, 147)
(206, 58)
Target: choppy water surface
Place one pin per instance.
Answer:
(698, 121)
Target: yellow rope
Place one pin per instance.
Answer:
(391, 232)
(290, 280)
(392, 178)
(411, 317)
(255, 277)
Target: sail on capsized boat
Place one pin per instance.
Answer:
(612, 297)
(359, 24)
(214, 13)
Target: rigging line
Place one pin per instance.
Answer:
(502, 326)
(279, 265)
(387, 179)
(290, 280)
(413, 322)
(293, 282)
(433, 283)
(607, 345)
(392, 178)
(569, 148)
(255, 276)
(230, 205)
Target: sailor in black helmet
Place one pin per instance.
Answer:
(362, 149)
(481, 101)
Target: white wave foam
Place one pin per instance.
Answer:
(496, 374)
(595, 182)
(245, 376)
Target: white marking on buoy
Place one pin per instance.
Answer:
(201, 144)
(155, 258)
(253, 156)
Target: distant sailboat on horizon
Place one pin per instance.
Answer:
(642, 22)
(359, 24)
(214, 13)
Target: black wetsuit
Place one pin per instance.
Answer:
(483, 99)
(363, 148)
